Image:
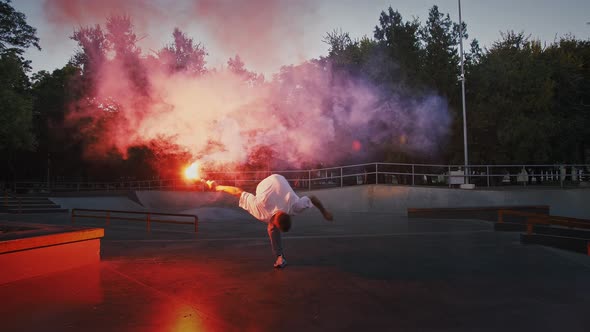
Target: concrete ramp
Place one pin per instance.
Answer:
(397, 199)
(184, 200)
(368, 198)
(218, 213)
(201, 203)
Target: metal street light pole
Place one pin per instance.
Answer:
(463, 97)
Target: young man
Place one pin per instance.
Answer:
(274, 203)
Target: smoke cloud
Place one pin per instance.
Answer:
(74, 13)
(266, 33)
(261, 31)
(309, 113)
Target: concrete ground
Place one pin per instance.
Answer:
(363, 272)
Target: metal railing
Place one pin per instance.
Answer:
(561, 175)
(81, 186)
(109, 215)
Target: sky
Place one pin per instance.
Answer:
(270, 33)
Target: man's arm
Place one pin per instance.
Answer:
(318, 204)
(235, 191)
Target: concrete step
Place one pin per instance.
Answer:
(29, 204)
(42, 204)
(24, 201)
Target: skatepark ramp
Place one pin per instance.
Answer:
(368, 198)
(397, 199)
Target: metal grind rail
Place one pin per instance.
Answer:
(116, 215)
(543, 219)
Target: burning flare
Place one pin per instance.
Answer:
(192, 172)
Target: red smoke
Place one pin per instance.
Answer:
(89, 12)
(258, 29)
(263, 32)
(306, 114)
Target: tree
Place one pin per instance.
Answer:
(16, 110)
(402, 44)
(15, 98)
(237, 66)
(53, 93)
(511, 116)
(340, 46)
(121, 37)
(183, 55)
(440, 37)
(357, 57)
(473, 57)
(123, 42)
(167, 157)
(92, 54)
(15, 33)
(441, 57)
(569, 61)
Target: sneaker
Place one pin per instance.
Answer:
(280, 263)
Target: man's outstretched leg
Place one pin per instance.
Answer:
(276, 243)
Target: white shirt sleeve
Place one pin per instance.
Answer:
(301, 204)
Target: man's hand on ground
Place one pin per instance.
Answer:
(328, 216)
(318, 204)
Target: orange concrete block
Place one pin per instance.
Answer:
(33, 262)
(49, 236)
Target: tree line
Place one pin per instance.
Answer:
(527, 102)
